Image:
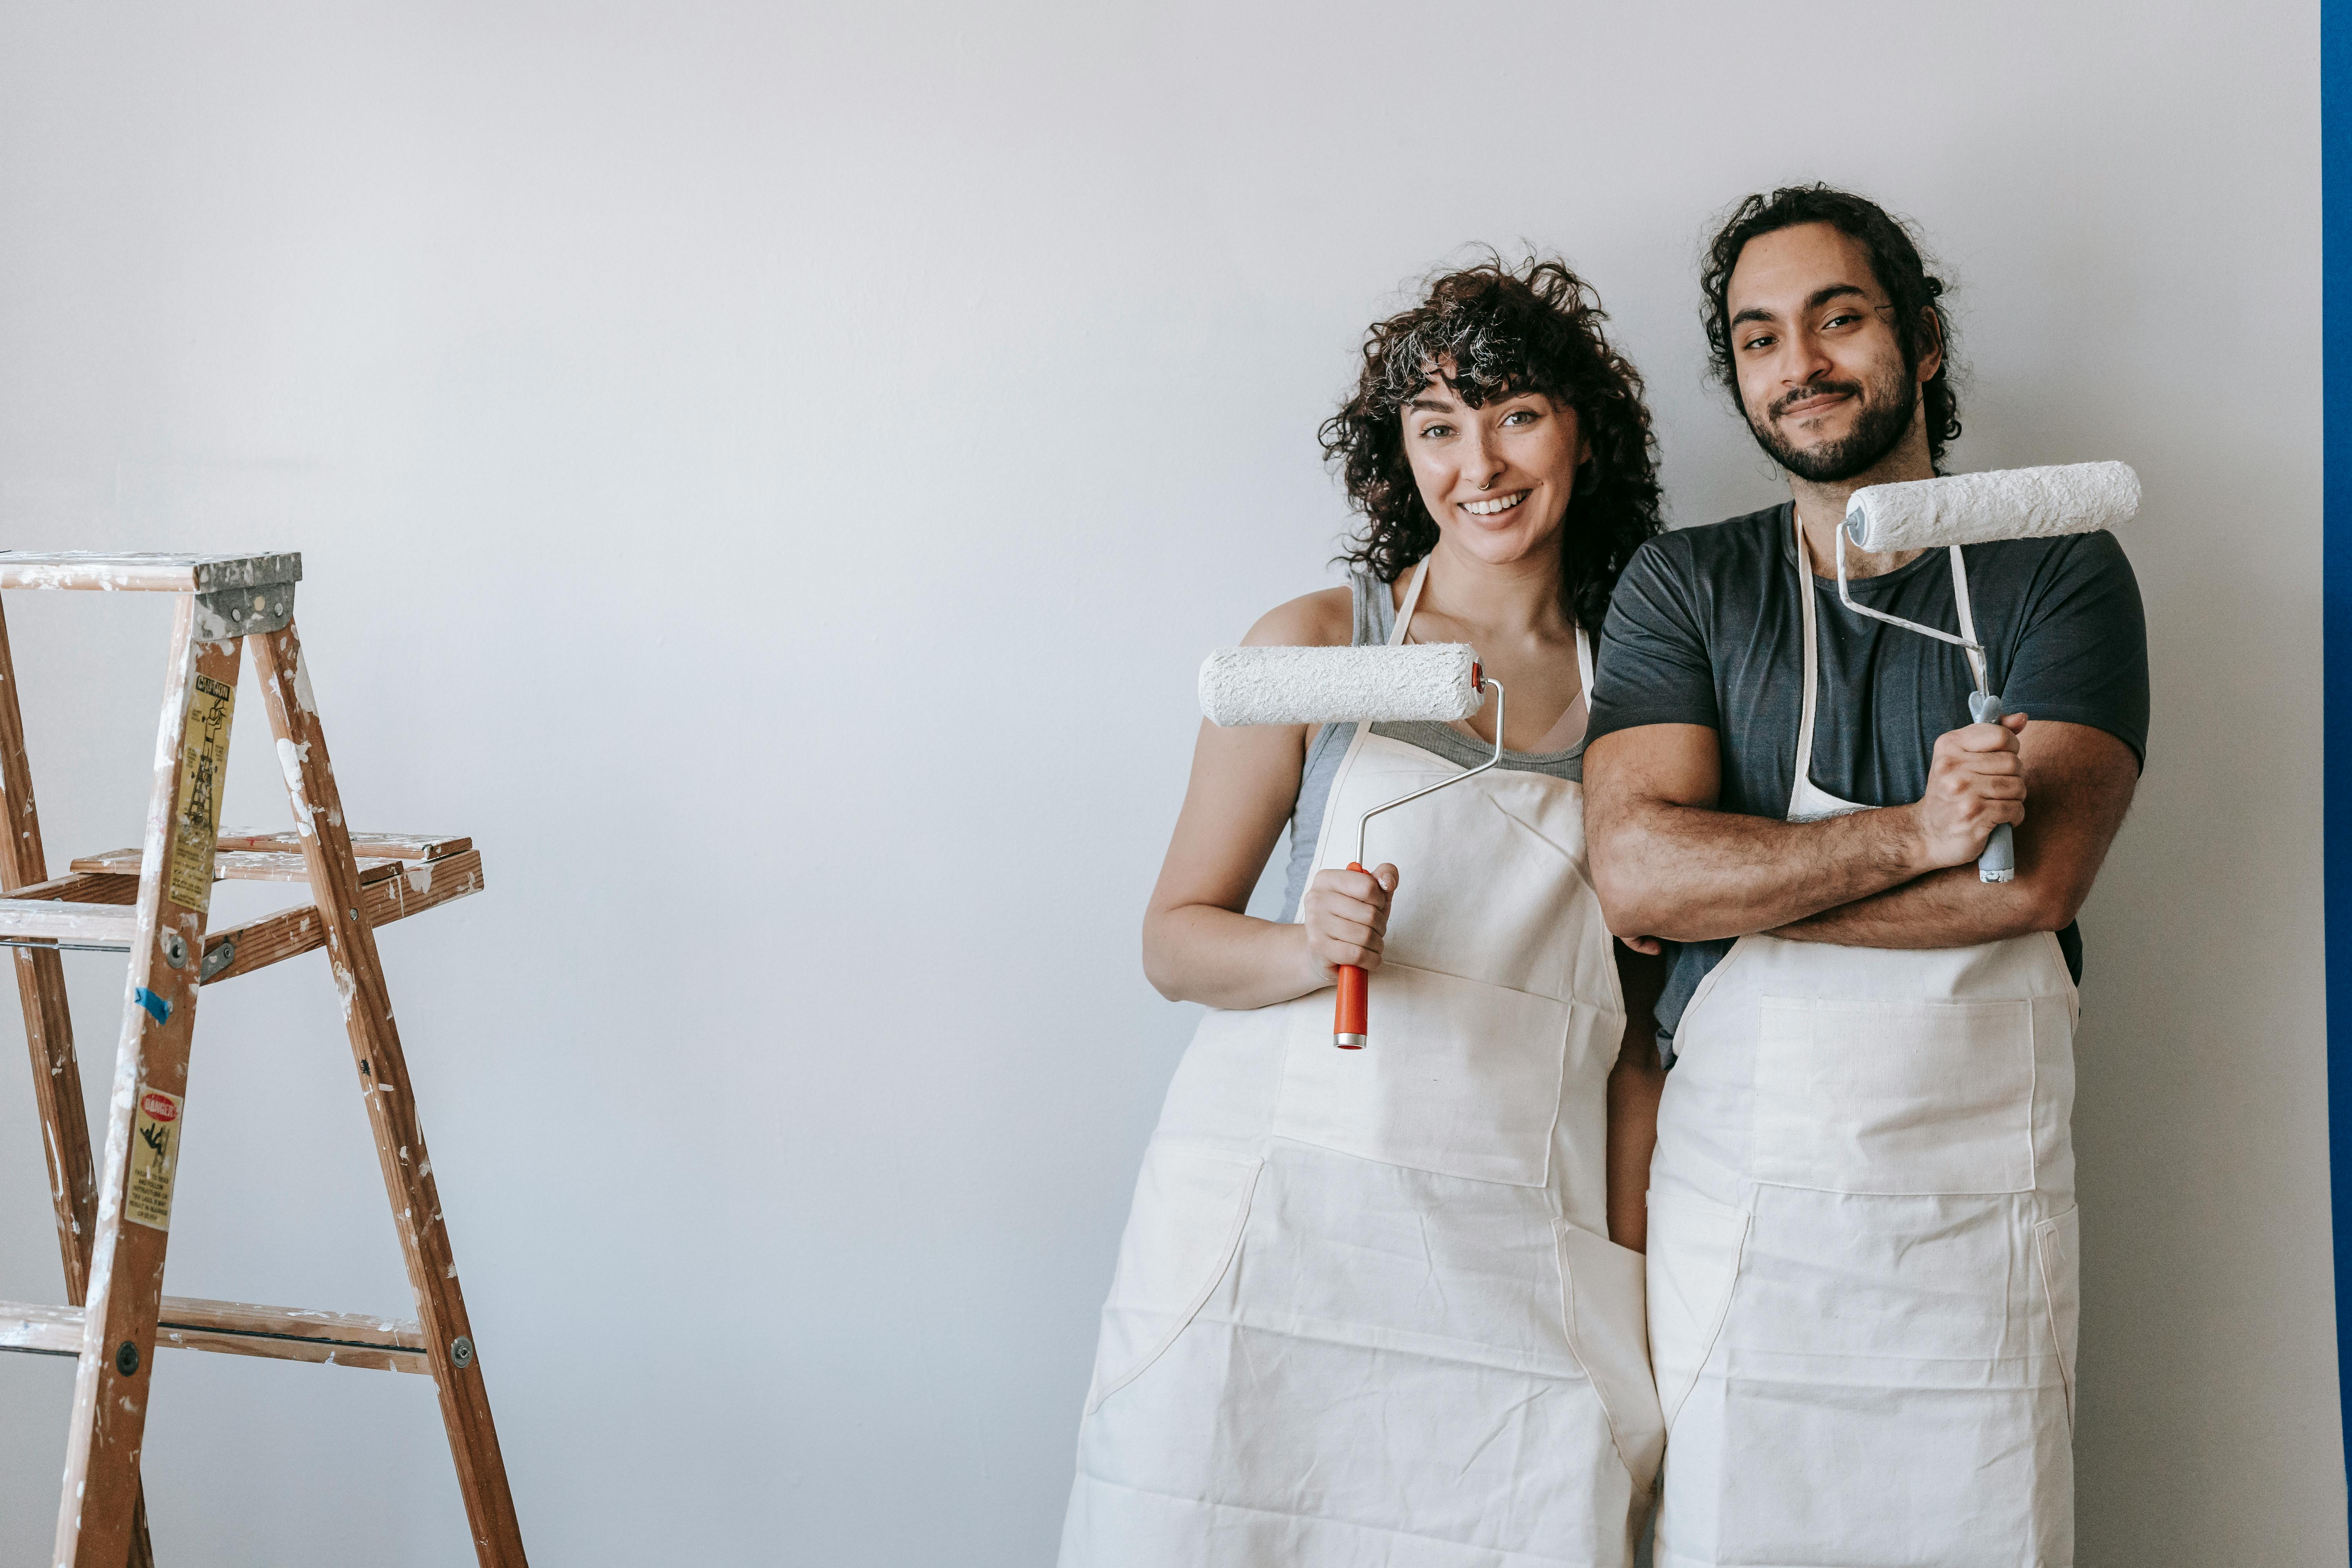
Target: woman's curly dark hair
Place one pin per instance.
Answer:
(1502, 332)
(1894, 260)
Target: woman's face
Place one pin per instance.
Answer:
(1497, 478)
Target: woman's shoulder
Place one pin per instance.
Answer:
(1326, 618)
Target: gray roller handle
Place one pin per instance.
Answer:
(1999, 861)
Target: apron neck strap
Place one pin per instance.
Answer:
(1967, 618)
(1396, 640)
(1812, 662)
(1412, 597)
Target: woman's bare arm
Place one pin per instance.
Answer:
(1197, 946)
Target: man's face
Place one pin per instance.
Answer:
(1821, 376)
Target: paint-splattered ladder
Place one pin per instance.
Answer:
(151, 902)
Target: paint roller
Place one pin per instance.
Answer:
(1441, 681)
(1977, 509)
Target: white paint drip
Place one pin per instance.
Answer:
(291, 755)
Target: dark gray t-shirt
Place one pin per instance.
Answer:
(1705, 628)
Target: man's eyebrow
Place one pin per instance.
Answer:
(1813, 302)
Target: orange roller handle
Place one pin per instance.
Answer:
(1351, 1018)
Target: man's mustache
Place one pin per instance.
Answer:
(1787, 401)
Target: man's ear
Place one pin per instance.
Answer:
(1931, 355)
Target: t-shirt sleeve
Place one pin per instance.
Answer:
(1654, 666)
(2082, 653)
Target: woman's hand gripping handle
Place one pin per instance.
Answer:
(1346, 914)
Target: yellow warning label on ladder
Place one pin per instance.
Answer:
(155, 1159)
(204, 756)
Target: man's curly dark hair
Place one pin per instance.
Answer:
(1895, 261)
(1499, 333)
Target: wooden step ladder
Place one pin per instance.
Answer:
(152, 903)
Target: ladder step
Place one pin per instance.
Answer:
(256, 944)
(77, 925)
(280, 1333)
(145, 570)
(241, 865)
(84, 888)
(92, 908)
(391, 845)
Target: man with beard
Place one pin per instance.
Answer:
(1863, 1239)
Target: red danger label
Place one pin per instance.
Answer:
(161, 1107)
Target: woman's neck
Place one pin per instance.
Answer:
(1512, 599)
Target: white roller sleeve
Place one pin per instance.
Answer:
(2008, 503)
(1338, 684)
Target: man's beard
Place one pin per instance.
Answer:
(1886, 419)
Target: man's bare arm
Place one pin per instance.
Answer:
(1635, 1086)
(2079, 781)
(1667, 864)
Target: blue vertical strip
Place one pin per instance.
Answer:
(2335, 587)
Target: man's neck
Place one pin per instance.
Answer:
(1821, 509)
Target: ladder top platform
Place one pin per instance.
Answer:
(146, 571)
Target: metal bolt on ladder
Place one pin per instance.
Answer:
(151, 902)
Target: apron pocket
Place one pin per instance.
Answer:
(1602, 1290)
(1460, 1078)
(2057, 1248)
(1191, 1203)
(1894, 1098)
(1693, 1264)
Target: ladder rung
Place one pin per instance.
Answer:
(84, 925)
(145, 570)
(82, 888)
(282, 1333)
(275, 938)
(391, 845)
(241, 865)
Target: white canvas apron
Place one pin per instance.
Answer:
(1861, 1254)
(1366, 1312)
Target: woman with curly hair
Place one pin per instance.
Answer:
(1368, 1309)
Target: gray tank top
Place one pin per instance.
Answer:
(1375, 621)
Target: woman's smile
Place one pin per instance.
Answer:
(1488, 508)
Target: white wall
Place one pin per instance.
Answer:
(769, 474)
